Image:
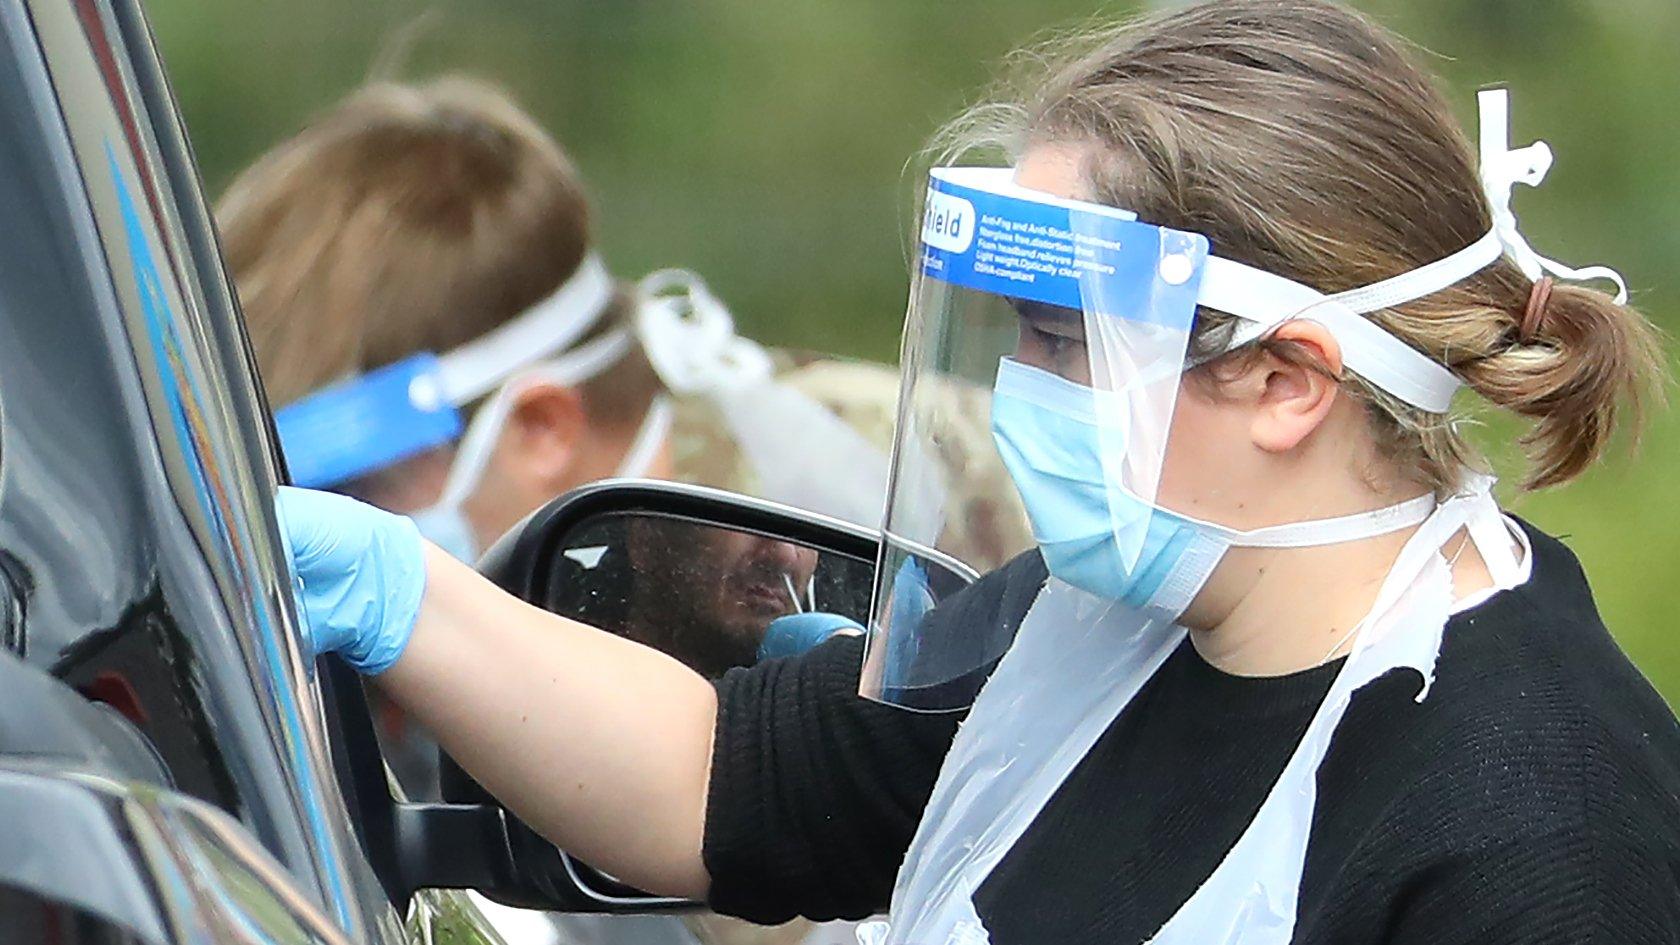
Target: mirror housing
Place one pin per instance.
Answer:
(472, 841)
(523, 561)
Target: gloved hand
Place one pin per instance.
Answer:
(362, 573)
(795, 633)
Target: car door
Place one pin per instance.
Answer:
(139, 552)
(138, 546)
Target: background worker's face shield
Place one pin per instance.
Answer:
(1069, 322)
(797, 450)
(368, 422)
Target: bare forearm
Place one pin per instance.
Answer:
(601, 744)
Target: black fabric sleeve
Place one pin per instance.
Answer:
(815, 791)
(1562, 888)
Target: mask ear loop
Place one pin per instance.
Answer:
(472, 455)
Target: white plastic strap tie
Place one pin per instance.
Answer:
(1266, 301)
(689, 336)
(1504, 168)
(479, 366)
(1331, 531)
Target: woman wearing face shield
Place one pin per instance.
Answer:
(1278, 669)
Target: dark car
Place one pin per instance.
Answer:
(172, 767)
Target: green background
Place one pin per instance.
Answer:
(763, 143)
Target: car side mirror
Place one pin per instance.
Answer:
(700, 573)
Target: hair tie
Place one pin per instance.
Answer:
(1537, 299)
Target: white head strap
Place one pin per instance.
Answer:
(689, 336)
(1265, 301)
(479, 366)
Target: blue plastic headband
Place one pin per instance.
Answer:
(367, 423)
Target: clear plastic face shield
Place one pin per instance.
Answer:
(1070, 323)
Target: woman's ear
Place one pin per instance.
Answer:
(1296, 393)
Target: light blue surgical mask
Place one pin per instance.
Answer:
(1049, 434)
(445, 524)
(1046, 429)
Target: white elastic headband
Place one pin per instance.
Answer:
(479, 366)
(1265, 300)
(687, 334)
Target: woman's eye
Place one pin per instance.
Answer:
(1051, 337)
(1055, 345)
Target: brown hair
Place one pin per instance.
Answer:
(406, 219)
(1304, 140)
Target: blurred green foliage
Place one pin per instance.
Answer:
(764, 145)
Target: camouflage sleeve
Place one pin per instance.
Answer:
(984, 524)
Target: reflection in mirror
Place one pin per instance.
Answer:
(705, 594)
(714, 579)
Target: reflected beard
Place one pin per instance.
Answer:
(711, 648)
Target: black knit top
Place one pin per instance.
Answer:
(1534, 796)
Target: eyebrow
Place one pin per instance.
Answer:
(1031, 311)
(1028, 308)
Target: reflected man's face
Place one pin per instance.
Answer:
(747, 581)
(705, 595)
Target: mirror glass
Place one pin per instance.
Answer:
(703, 593)
(713, 579)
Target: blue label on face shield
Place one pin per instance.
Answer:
(366, 424)
(1096, 260)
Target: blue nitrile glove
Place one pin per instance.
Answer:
(361, 573)
(796, 633)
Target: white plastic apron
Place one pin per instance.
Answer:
(1075, 665)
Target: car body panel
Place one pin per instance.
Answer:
(179, 524)
(140, 555)
(136, 463)
(175, 869)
